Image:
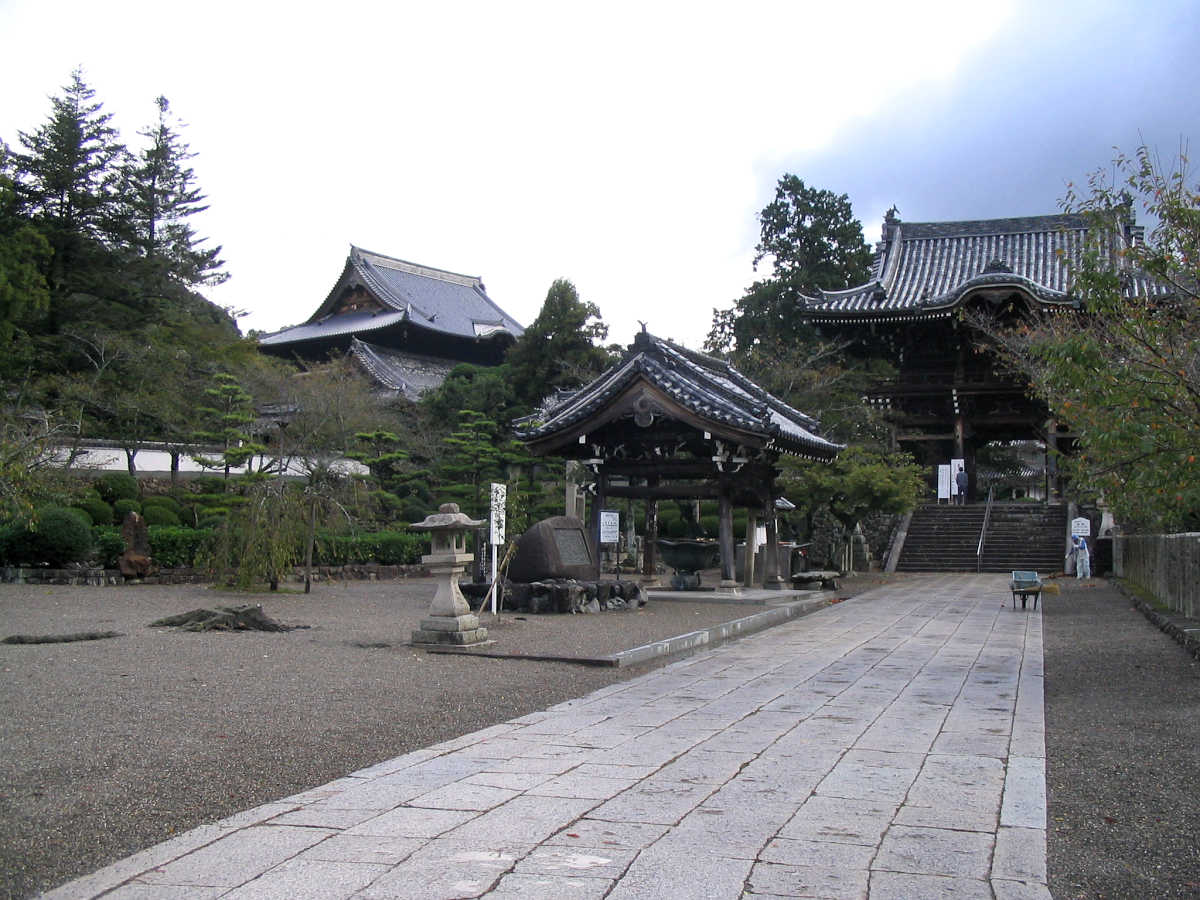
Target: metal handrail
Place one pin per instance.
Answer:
(987, 517)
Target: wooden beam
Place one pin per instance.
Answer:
(666, 491)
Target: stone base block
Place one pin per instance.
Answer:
(468, 622)
(457, 638)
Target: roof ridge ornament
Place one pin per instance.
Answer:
(997, 265)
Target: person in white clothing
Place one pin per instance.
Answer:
(1083, 558)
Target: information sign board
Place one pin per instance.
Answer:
(499, 499)
(1081, 526)
(944, 482)
(610, 526)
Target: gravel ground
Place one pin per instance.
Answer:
(1123, 758)
(110, 746)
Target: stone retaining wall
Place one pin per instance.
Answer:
(100, 577)
(1166, 565)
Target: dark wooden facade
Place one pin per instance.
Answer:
(669, 423)
(950, 396)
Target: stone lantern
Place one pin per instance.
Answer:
(450, 619)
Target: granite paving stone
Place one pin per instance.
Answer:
(861, 751)
(935, 851)
(309, 879)
(550, 887)
(778, 880)
(238, 857)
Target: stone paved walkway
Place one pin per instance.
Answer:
(890, 746)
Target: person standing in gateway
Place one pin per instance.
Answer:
(961, 480)
(1083, 558)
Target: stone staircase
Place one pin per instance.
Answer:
(1020, 536)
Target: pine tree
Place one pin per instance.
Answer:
(67, 185)
(159, 194)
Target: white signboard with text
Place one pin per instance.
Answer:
(610, 526)
(499, 499)
(944, 482)
(1081, 526)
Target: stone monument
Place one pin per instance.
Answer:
(135, 562)
(450, 620)
(557, 547)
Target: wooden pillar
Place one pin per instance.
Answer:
(649, 548)
(751, 536)
(594, 517)
(771, 577)
(725, 537)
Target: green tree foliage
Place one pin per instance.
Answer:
(97, 266)
(483, 388)
(228, 416)
(159, 195)
(473, 458)
(814, 243)
(29, 476)
(24, 253)
(1125, 374)
(859, 483)
(67, 185)
(559, 350)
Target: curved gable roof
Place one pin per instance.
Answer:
(709, 389)
(925, 269)
(434, 299)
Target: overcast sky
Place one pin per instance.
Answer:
(625, 146)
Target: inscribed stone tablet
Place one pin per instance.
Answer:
(572, 547)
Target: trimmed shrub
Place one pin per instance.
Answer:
(172, 546)
(114, 486)
(160, 515)
(97, 511)
(122, 508)
(213, 518)
(58, 538)
(109, 545)
(164, 501)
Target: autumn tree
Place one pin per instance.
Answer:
(1123, 372)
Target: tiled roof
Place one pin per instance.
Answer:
(409, 374)
(709, 388)
(924, 269)
(430, 298)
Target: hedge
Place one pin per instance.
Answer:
(388, 548)
(173, 546)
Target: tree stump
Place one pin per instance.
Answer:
(223, 618)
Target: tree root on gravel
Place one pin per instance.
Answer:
(224, 618)
(60, 638)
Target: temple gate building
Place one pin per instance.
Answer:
(949, 396)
